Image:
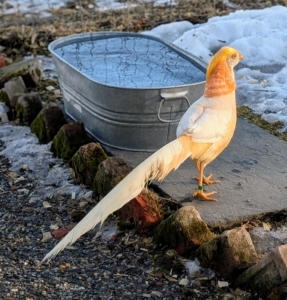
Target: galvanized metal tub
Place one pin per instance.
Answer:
(140, 118)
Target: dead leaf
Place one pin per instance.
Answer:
(46, 204)
(98, 234)
(33, 38)
(57, 93)
(130, 242)
(71, 247)
(222, 284)
(83, 203)
(169, 278)
(12, 175)
(50, 88)
(64, 266)
(158, 294)
(184, 282)
(266, 226)
(46, 236)
(54, 227)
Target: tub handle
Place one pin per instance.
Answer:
(171, 96)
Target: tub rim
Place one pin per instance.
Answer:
(66, 40)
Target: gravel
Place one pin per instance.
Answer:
(37, 197)
(104, 264)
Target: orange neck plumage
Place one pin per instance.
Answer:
(220, 82)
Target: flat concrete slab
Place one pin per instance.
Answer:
(252, 173)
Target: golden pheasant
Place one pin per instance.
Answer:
(203, 133)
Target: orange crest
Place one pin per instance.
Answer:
(219, 76)
(218, 58)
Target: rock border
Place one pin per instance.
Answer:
(231, 253)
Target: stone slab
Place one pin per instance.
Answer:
(252, 173)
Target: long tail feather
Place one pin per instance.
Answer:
(157, 166)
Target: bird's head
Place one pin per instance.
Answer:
(219, 74)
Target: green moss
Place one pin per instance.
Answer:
(200, 229)
(65, 147)
(170, 232)
(47, 123)
(208, 252)
(165, 264)
(38, 127)
(51, 165)
(85, 162)
(242, 256)
(183, 233)
(123, 225)
(28, 107)
(4, 98)
(246, 113)
(20, 68)
(14, 70)
(165, 261)
(78, 215)
(38, 72)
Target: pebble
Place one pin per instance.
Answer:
(184, 281)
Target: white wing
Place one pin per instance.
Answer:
(205, 121)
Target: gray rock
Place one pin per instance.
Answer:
(184, 230)
(229, 253)
(27, 108)
(47, 123)
(110, 172)
(267, 274)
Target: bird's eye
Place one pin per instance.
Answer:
(233, 56)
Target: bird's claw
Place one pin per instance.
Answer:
(207, 180)
(204, 196)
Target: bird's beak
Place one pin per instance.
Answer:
(241, 56)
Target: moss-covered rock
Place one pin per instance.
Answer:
(69, 139)
(166, 261)
(15, 86)
(47, 123)
(27, 108)
(110, 172)
(268, 277)
(229, 253)
(85, 162)
(184, 230)
(30, 70)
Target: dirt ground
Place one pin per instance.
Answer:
(73, 275)
(21, 35)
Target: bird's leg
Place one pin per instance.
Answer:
(199, 193)
(206, 180)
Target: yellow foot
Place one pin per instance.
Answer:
(207, 180)
(204, 196)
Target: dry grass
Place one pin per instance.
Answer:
(20, 34)
(246, 113)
